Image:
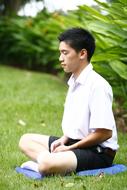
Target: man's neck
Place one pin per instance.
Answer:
(83, 66)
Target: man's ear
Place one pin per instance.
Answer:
(83, 54)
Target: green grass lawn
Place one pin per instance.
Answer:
(37, 99)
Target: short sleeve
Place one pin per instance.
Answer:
(101, 114)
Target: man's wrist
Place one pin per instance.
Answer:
(64, 139)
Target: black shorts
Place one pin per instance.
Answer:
(88, 158)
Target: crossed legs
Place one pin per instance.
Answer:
(36, 147)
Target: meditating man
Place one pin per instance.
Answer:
(89, 138)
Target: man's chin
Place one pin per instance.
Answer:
(66, 70)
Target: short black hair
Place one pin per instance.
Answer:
(78, 39)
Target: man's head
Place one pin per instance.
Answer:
(78, 39)
(76, 49)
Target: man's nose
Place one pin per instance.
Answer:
(61, 58)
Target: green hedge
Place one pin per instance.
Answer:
(30, 42)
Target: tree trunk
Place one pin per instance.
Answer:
(11, 7)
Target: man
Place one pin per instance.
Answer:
(89, 138)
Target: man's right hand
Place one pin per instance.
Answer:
(58, 142)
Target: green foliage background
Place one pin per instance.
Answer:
(32, 43)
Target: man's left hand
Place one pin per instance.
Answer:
(61, 148)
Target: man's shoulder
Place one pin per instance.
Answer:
(96, 81)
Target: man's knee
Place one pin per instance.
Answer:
(47, 165)
(56, 164)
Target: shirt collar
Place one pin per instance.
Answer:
(82, 77)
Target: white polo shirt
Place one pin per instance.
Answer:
(88, 106)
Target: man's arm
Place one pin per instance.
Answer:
(97, 137)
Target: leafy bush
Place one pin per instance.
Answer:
(30, 42)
